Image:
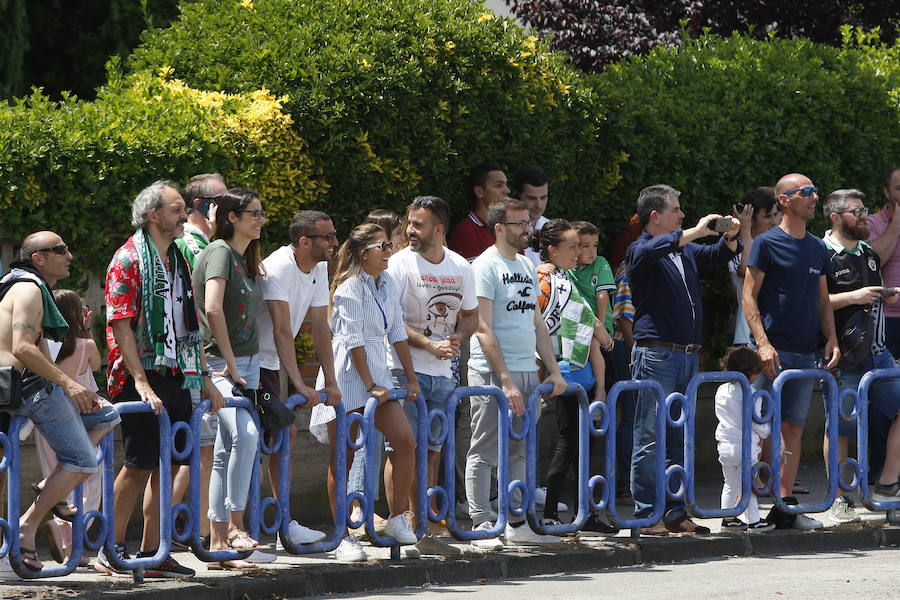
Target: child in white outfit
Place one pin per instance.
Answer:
(729, 402)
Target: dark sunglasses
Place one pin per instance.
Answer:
(856, 212)
(382, 245)
(806, 192)
(420, 202)
(60, 249)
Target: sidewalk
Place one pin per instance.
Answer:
(296, 576)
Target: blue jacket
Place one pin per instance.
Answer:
(665, 306)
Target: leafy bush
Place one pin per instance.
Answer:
(75, 166)
(399, 97)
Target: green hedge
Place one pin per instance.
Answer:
(75, 166)
(400, 97)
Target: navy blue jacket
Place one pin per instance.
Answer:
(665, 306)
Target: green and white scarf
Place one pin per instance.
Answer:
(569, 320)
(170, 323)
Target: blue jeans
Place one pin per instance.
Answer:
(672, 370)
(435, 391)
(625, 406)
(796, 394)
(237, 441)
(884, 394)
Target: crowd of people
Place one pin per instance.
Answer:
(507, 297)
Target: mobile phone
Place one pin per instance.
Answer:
(720, 225)
(739, 207)
(203, 206)
(888, 292)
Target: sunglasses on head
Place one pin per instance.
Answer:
(60, 249)
(806, 192)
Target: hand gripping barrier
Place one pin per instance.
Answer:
(861, 414)
(191, 531)
(10, 527)
(448, 511)
(830, 391)
(662, 417)
(585, 490)
(748, 417)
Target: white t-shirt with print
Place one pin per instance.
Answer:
(431, 296)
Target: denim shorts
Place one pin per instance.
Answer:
(796, 394)
(64, 428)
(435, 390)
(884, 394)
(209, 422)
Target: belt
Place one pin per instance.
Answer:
(689, 349)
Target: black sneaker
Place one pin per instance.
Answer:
(103, 565)
(734, 524)
(169, 568)
(595, 525)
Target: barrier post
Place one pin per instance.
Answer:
(861, 469)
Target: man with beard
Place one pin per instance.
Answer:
(856, 290)
(437, 295)
(663, 268)
(786, 305)
(510, 330)
(296, 287)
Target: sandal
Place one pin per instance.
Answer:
(30, 559)
(58, 508)
(231, 565)
(239, 539)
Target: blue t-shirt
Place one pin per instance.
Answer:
(789, 297)
(511, 286)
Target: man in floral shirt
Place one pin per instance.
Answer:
(155, 357)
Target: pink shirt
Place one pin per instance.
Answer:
(890, 269)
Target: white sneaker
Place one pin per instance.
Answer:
(400, 528)
(304, 535)
(261, 558)
(842, 511)
(523, 534)
(807, 523)
(493, 543)
(350, 550)
(540, 499)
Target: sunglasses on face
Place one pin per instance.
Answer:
(806, 192)
(856, 212)
(60, 249)
(382, 245)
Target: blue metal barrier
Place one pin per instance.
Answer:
(861, 414)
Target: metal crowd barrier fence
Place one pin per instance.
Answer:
(676, 482)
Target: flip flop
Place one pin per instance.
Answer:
(231, 565)
(57, 509)
(30, 556)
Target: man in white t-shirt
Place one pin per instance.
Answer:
(532, 188)
(296, 286)
(437, 294)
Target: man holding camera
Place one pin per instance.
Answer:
(662, 266)
(856, 290)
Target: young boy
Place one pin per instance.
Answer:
(593, 276)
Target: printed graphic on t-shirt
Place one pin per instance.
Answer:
(440, 299)
(524, 289)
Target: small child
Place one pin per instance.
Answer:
(728, 435)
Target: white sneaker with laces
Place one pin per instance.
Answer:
(261, 558)
(523, 534)
(304, 535)
(400, 528)
(350, 550)
(842, 511)
(493, 543)
(805, 523)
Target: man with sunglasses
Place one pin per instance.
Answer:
(200, 197)
(295, 288)
(856, 291)
(71, 417)
(786, 304)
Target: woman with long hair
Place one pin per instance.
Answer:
(365, 317)
(228, 298)
(576, 333)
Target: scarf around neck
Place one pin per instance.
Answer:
(569, 320)
(53, 323)
(170, 329)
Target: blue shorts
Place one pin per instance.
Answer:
(796, 394)
(435, 390)
(884, 394)
(64, 428)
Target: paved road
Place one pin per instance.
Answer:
(870, 574)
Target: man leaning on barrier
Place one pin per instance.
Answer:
(155, 356)
(71, 417)
(856, 291)
(662, 267)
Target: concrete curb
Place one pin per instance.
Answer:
(564, 558)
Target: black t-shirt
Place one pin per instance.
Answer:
(851, 271)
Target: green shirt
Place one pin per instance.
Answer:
(243, 296)
(593, 278)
